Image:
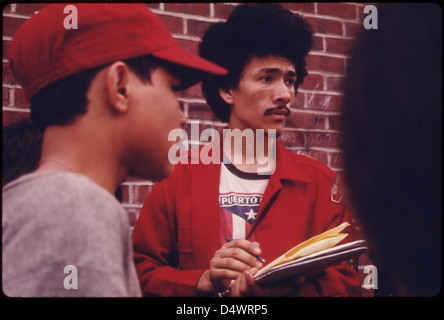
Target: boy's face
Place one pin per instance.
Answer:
(158, 112)
(263, 96)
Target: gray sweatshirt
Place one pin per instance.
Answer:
(65, 236)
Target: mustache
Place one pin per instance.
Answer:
(278, 108)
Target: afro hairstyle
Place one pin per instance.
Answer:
(252, 30)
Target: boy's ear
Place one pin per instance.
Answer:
(118, 85)
(226, 95)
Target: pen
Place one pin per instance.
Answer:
(257, 257)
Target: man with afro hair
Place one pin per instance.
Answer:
(201, 230)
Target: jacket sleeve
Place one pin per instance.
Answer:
(341, 279)
(155, 246)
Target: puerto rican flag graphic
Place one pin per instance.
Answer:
(238, 214)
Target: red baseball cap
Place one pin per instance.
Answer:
(44, 51)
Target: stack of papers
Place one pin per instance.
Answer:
(314, 254)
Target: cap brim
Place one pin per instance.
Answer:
(195, 68)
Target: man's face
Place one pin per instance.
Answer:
(263, 96)
(158, 112)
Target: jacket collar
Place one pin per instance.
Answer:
(287, 168)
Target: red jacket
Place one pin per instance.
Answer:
(177, 232)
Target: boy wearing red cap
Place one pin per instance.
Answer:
(104, 97)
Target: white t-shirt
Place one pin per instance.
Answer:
(240, 195)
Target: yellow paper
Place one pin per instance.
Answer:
(317, 243)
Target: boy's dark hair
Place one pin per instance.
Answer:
(60, 102)
(392, 125)
(252, 30)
